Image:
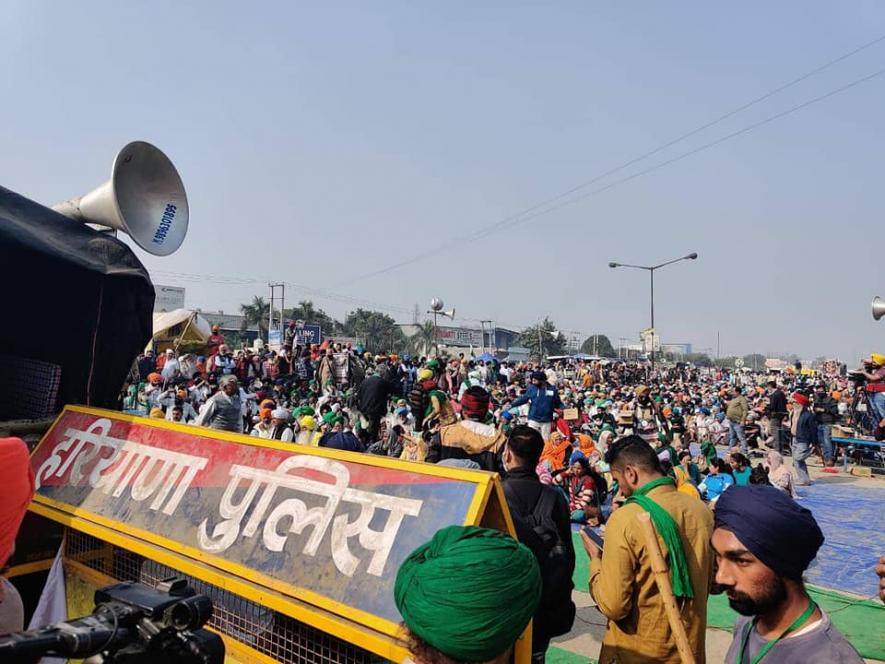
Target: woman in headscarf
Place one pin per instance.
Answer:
(556, 451)
(779, 475)
(580, 487)
(683, 484)
(606, 437)
(585, 443)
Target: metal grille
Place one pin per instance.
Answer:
(267, 631)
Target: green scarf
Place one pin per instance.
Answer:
(668, 531)
(708, 449)
(469, 592)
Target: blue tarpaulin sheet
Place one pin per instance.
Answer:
(851, 518)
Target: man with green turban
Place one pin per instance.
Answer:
(467, 595)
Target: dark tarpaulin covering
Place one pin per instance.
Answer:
(71, 296)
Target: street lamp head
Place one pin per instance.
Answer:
(692, 256)
(613, 265)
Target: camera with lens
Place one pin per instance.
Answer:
(132, 623)
(857, 376)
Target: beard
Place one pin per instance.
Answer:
(746, 605)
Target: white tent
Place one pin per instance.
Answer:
(182, 327)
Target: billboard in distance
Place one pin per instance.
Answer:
(168, 298)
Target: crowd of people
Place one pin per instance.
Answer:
(420, 408)
(586, 442)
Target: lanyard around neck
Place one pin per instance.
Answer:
(801, 620)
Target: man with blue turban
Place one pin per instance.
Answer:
(764, 541)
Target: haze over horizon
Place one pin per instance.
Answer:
(327, 146)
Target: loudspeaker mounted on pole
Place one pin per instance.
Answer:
(144, 198)
(878, 307)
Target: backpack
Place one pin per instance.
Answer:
(537, 530)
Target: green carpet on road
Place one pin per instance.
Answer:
(559, 656)
(861, 621)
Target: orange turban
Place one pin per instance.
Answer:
(16, 491)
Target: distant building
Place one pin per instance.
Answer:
(456, 339)
(676, 349)
(168, 298)
(231, 324)
(517, 354)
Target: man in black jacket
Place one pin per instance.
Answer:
(548, 535)
(372, 397)
(777, 411)
(826, 412)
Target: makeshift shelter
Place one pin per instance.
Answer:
(181, 329)
(76, 310)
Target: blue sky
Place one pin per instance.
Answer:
(320, 143)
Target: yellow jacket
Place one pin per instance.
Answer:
(623, 585)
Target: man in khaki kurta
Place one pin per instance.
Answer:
(621, 578)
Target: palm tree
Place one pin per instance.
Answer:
(256, 314)
(424, 339)
(378, 331)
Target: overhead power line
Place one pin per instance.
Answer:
(298, 288)
(317, 293)
(556, 202)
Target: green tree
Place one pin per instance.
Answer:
(377, 330)
(543, 339)
(725, 362)
(256, 314)
(310, 314)
(422, 342)
(754, 361)
(598, 344)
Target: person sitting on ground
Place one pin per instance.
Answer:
(779, 475)
(557, 451)
(740, 468)
(759, 476)
(719, 479)
(578, 484)
(683, 483)
(466, 596)
(690, 467)
(414, 447)
(764, 541)
(279, 426)
(262, 426)
(471, 438)
(439, 411)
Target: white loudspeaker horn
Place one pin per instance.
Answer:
(878, 307)
(144, 198)
(448, 314)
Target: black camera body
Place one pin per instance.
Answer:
(857, 377)
(132, 623)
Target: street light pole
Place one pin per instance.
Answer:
(651, 271)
